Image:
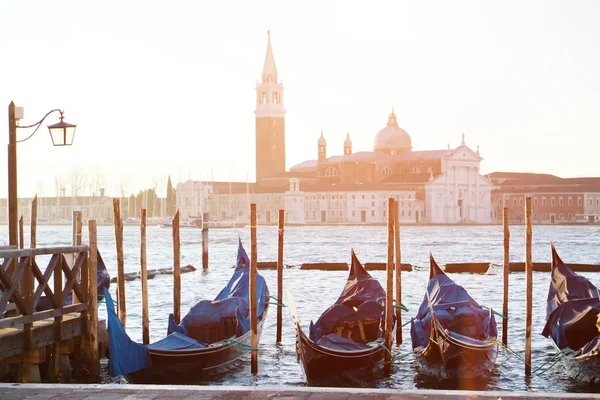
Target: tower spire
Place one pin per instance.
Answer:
(269, 69)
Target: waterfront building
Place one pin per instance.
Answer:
(433, 186)
(554, 200)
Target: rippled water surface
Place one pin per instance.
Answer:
(316, 290)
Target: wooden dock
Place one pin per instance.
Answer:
(32, 334)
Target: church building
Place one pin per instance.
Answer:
(431, 186)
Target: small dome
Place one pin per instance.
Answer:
(322, 141)
(347, 142)
(392, 139)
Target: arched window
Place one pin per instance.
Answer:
(331, 171)
(387, 171)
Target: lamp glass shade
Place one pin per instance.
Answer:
(62, 133)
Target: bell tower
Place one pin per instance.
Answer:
(270, 120)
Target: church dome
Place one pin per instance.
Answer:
(392, 139)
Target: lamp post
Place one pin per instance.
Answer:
(61, 133)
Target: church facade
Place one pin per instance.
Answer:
(431, 186)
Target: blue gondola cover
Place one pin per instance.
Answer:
(453, 308)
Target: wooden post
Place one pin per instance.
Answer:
(83, 353)
(389, 305)
(33, 222)
(253, 316)
(280, 223)
(144, 279)
(528, 285)
(77, 229)
(205, 217)
(118, 223)
(398, 268)
(58, 287)
(21, 234)
(176, 270)
(93, 302)
(505, 272)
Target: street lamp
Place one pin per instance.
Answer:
(61, 133)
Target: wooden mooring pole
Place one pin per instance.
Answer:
(253, 316)
(144, 279)
(93, 301)
(389, 305)
(505, 272)
(398, 270)
(121, 299)
(528, 285)
(280, 224)
(176, 270)
(21, 234)
(205, 217)
(33, 222)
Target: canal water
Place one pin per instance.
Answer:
(314, 291)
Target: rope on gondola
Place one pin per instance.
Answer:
(392, 358)
(495, 312)
(275, 303)
(236, 344)
(553, 359)
(401, 306)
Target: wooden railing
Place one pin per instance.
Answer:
(20, 295)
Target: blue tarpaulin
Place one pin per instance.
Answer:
(573, 309)
(362, 299)
(127, 356)
(453, 308)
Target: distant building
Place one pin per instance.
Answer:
(553, 199)
(439, 186)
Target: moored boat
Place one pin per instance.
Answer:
(573, 321)
(346, 342)
(452, 336)
(213, 338)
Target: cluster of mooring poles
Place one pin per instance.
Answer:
(121, 300)
(87, 342)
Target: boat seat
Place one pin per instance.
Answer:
(360, 331)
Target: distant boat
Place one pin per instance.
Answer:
(573, 321)
(493, 269)
(183, 223)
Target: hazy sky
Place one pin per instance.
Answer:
(161, 88)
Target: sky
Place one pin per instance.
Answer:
(162, 89)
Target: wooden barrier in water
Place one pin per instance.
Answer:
(151, 273)
(482, 267)
(381, 266)
(341, 266)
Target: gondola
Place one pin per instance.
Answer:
(346, 342)
(452, 336)
(213, 338)
(573, 321)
